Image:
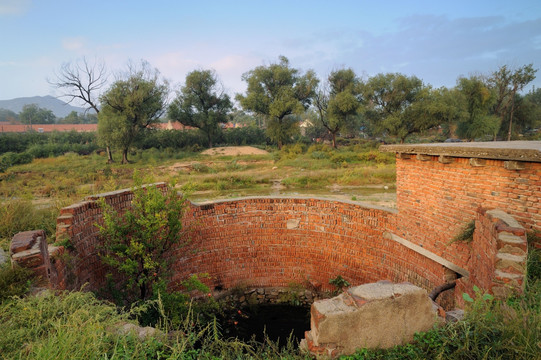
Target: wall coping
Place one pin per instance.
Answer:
(277, 197)
(420, 250)
(495, 150)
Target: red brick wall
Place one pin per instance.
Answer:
(248, 242)
(436, 200)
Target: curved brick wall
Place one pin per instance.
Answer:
(263, 242)
(274, 241)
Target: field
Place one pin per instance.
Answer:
(33, 193)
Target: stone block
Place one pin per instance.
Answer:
(378, 315)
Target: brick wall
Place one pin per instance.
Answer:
(435, 200)
(273, 241)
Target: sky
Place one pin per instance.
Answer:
(437, 41)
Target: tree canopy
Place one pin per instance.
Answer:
(130, 105)
(278, 91)
(201, 103)
(398, 105)
(338, 100)
(477, 99)
(33, 114)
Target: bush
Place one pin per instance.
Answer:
(135, 242)
(21, 215)
(14, 281)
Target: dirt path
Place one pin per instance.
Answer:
(234, 150)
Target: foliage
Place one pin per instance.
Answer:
(129, 105)
(398, 105)
(33, 114)
(201, 104)
(135, 242)
(277, 92)
(338, 100)
(18, 215)
(507, 83)
(14, 281)
(477, 100)
(466, 234)
(339, 283)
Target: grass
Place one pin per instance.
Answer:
(76, 325)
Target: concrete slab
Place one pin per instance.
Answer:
(495, 150)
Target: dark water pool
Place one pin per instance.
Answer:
(276, 321)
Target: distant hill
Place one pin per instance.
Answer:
(58, 107)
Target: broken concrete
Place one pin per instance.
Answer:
(378, 315)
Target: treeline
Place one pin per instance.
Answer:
(22, 148)
(33, 114)
(285, 100)
(290, 104)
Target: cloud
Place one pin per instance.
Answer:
(73, 44)
(14, 7)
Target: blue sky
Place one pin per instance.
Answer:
(434, 40)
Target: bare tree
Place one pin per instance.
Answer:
(82, 81)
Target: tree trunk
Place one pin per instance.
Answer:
(109, 155)
(124, 156)
(334, 140)
(511, 118)
(210, 140)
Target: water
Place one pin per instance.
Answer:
(276, 321)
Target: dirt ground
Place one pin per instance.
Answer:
(234, 150)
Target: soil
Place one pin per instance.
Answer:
(234, 150)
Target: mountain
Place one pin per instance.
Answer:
(58, 107)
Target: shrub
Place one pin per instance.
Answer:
(14, 281)
(135, 242)
(21, 215)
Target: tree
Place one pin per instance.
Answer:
(201, 103)
(507, 83)
(83, 81)
(338, 100)
(8, 116)
(477, 99)
(135, 242)
(398, 105)
(278, 92)
(519, 79)
(130, 105)
(446, 109)
(33, 114)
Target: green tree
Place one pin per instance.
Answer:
(446, 109)
(278, 92)
(130, 105)
(33, 114)
(8, 116)
(507, 83)
(398, 105)
(477, 99)
(519, 79)
(135, 242)
(201, 103)
(338, 101)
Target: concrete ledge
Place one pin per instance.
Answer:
(496, 150)
(427, 254)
